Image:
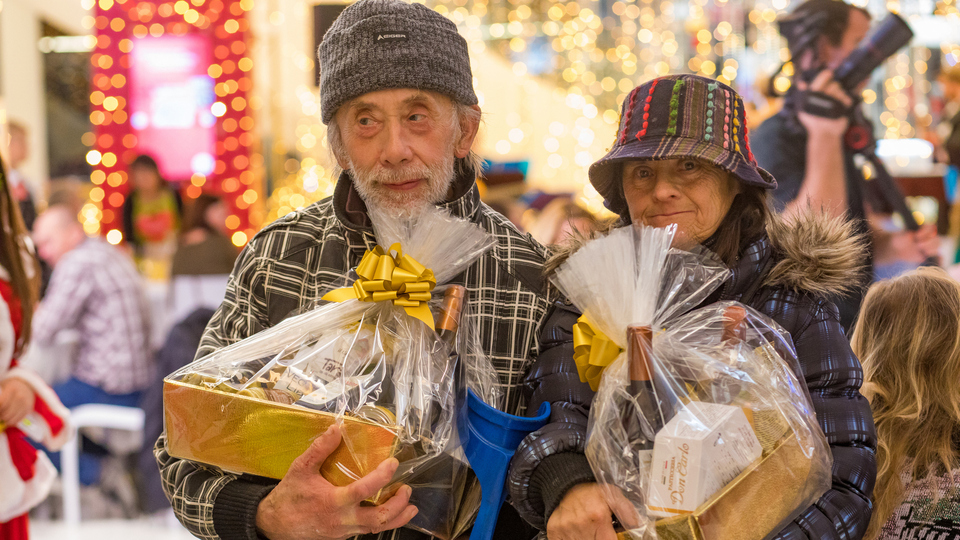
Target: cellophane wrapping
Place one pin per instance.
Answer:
(716, 437)
(381, 373)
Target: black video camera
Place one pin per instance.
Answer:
(886, 38)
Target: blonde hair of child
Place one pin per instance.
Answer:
(908, 339)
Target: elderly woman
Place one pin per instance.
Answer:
(682, 157)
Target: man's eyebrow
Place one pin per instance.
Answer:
(420, 99)
(358, 105)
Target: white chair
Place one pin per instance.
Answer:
(93, 415)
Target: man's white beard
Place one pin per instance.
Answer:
(370, 184)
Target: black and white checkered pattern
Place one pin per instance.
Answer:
(290, 264)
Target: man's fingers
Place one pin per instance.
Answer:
(318, 451)
(821, 81)
(371, 484)
(606, 532)
(405, 516)
(377, 518)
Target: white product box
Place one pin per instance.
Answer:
(699, 451)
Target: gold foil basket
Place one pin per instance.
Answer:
(242, 434)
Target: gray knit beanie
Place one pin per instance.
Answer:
(379, 44)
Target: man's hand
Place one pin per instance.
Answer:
(16, 400)
(917, 246)
(816, 126)
(583, 513)
(305, 506)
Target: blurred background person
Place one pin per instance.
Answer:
(205, 246)
(908, 339)
(945, 137)
(178, 350)
(95, 292)
(948, 131)
(559, 219)
(806, 151)
(18, 151)
(152, 215)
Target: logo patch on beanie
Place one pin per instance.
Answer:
(391, 36)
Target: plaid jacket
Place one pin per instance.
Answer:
(550, 461)
(290, 264)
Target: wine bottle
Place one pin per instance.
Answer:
(643, 390)
(450, 312)
(734, 330)
(723, 387)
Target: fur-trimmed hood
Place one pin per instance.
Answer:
(811, 252)
(816, 253)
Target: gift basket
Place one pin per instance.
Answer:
(700, 428)
(380, 360)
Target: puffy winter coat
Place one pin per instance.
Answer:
(789, 275)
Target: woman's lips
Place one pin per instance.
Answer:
(405, 186)
(667, 215)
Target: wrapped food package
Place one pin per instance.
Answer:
(700, 428)
(379, 360)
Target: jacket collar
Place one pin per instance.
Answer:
(351, 210)
(750, 269)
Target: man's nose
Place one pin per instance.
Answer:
(396, 149)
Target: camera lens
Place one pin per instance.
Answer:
(888, 36)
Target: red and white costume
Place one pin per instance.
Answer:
(25, 473)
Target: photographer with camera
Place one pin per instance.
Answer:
(809, 146)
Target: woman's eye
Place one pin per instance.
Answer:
(417, 117)
(689, 165)
(365, 121)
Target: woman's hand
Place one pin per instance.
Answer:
(16, 400)
(583, 514)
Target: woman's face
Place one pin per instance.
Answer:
(145, 179)
(689, 192)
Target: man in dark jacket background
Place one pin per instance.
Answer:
(397, 94)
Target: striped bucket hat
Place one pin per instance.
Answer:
(679, 116)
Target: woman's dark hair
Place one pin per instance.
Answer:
(837, 16)
(745, 222)
(146, 162)
(195, 217)
(17, 259)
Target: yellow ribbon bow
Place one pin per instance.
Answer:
(592, 351)
(399, 278)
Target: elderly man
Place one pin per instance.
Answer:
(397, 95)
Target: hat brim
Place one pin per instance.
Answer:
(605, 177)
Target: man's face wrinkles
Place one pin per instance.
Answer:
(400, 147)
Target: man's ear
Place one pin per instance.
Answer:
(469, 126)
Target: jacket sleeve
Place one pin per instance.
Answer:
(551, 460)
(210, 503)
(833, 376)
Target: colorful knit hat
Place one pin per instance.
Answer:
(674, 117)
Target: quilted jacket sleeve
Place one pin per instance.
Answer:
(551, 460)
(833, 376)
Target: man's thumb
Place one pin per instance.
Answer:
(318, 451)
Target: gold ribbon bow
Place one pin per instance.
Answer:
(592, 351)
(399, 278)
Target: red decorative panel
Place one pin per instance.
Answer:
(172, 79)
